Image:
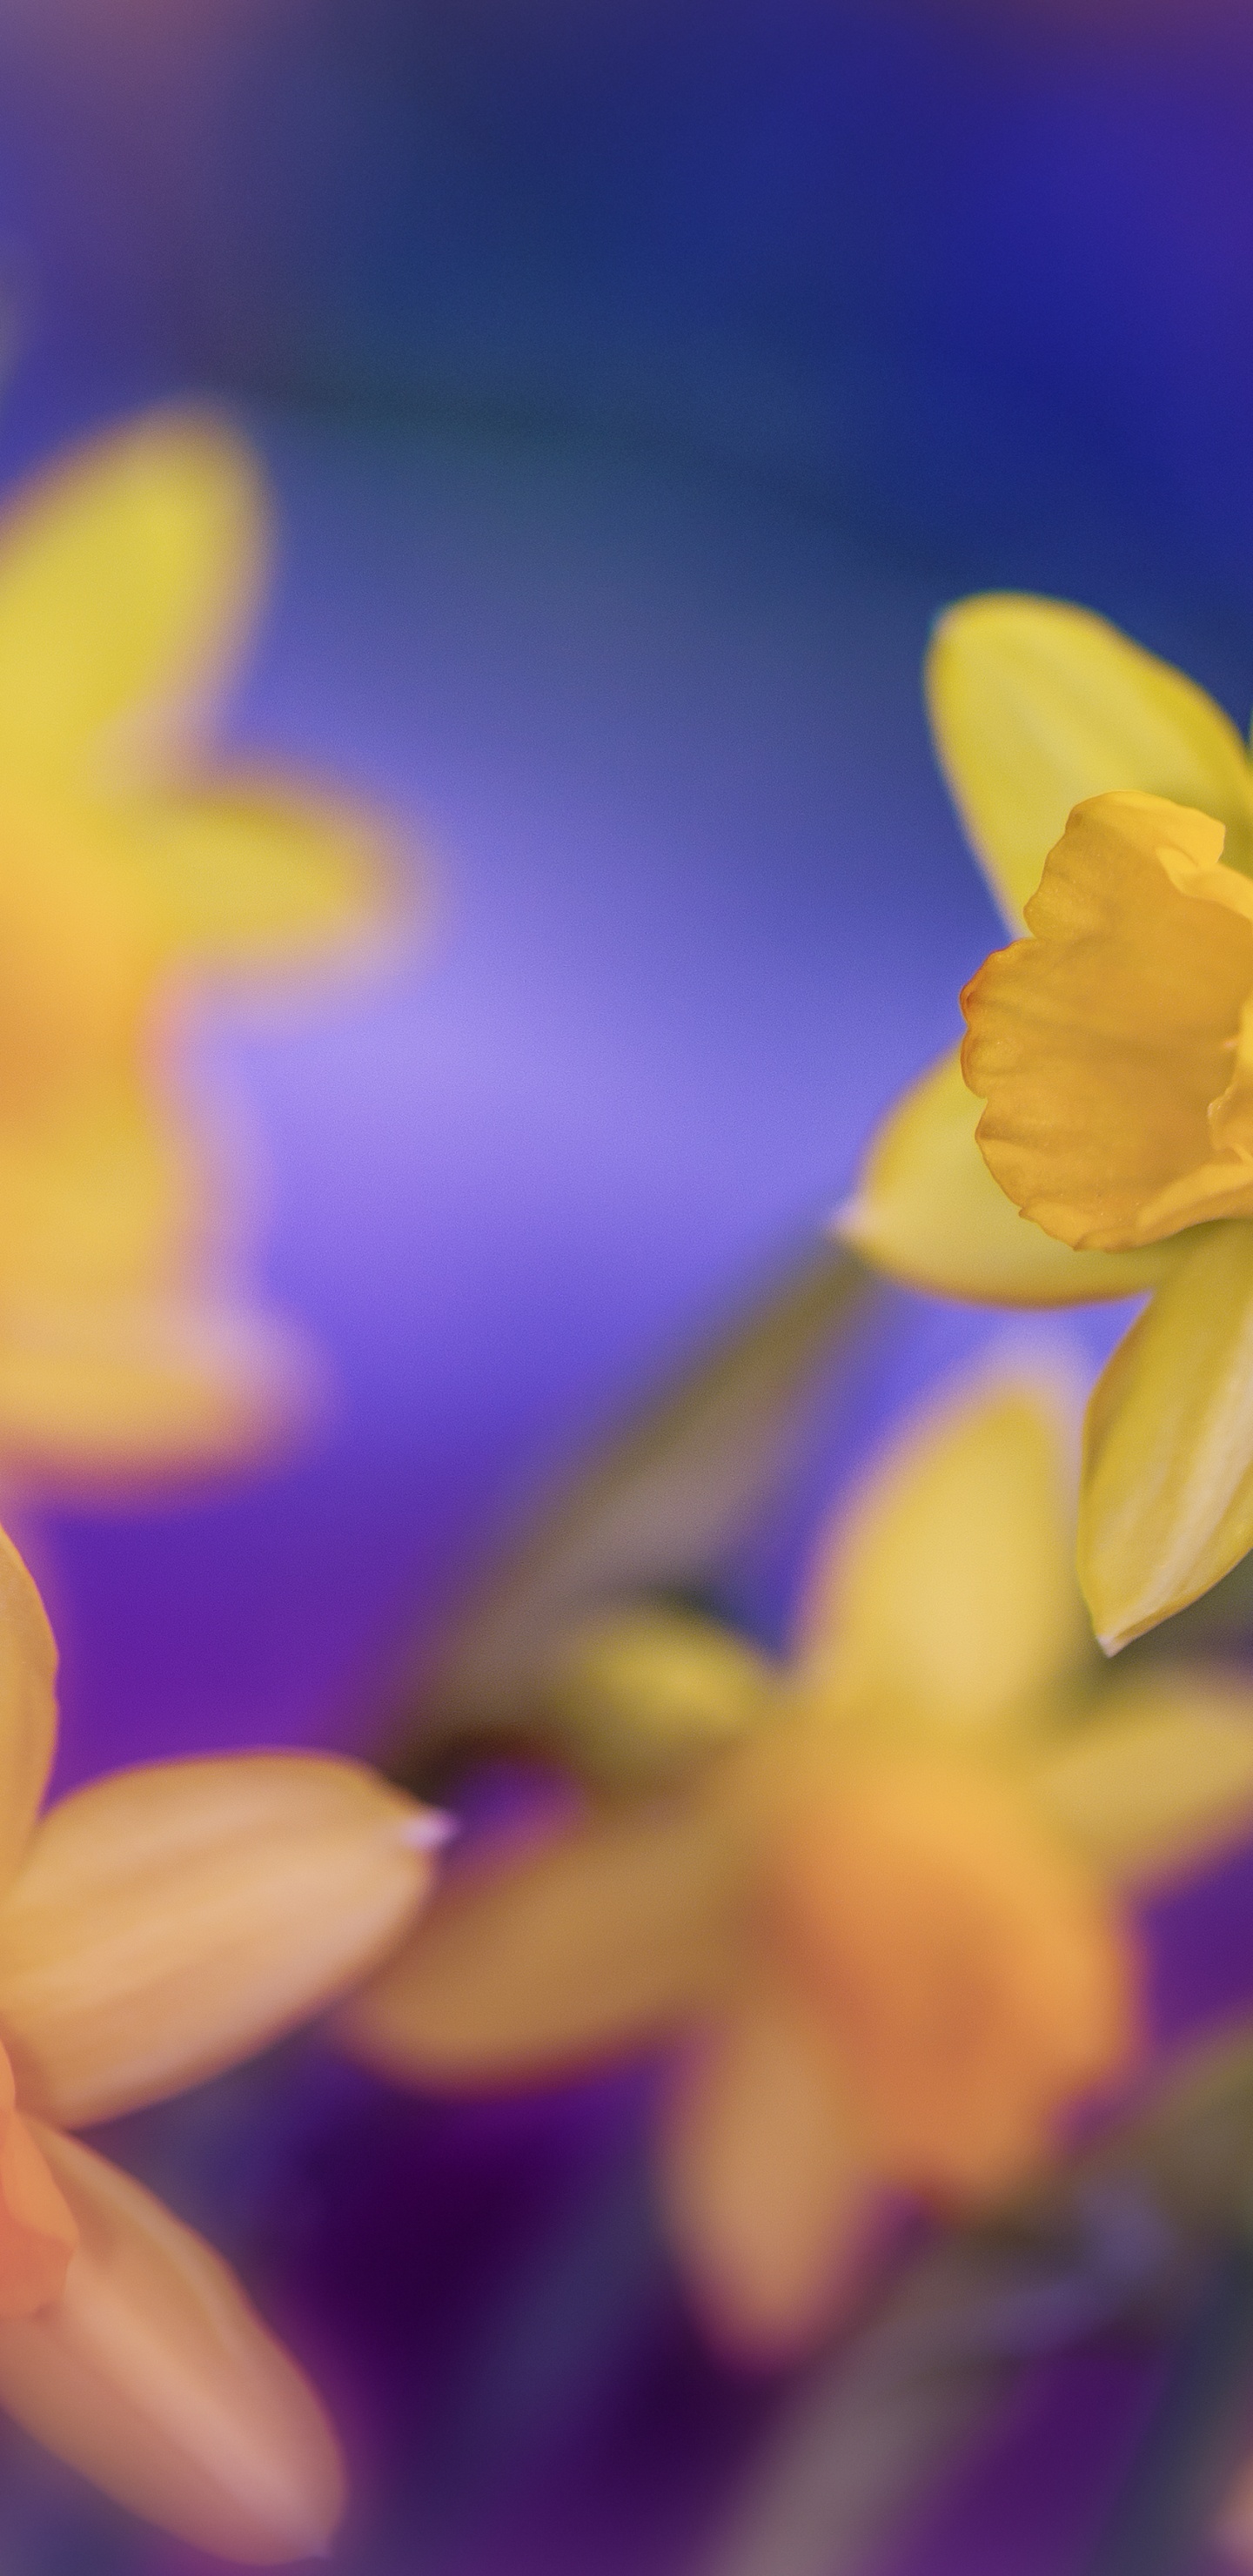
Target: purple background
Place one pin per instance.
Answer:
(636, 382)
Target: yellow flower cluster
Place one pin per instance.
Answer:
(875, 1901)
(887, 1925)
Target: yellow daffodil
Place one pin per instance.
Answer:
(882, 1911)
(129, 872)
(154, 1928)
(1111, 1048)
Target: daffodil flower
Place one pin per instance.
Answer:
(1111, 1049)
(154, 1928)
(886, 1926)
(130, 873)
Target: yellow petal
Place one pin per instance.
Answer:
(28, 1708)
(99, 1199)
(77, 962)
(1104, 1044)
(1167, 1500)
(96, 1397)
(128, 576)
(249, 872)
(641, 1695)
(153, 2375)
(170, 1920)
(978, 1976)
(38, 2233)
(948, 1590)
(927, 1210)
(1159, 1781)
(1036, 705)
(598, 1939)
(765, 2192)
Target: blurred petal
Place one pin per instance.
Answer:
(979, 1976)
(638, 1697)
(927, 1210)
(95, 1396)
(170, 1920)
(28, 1708)
(246, 872)
(765, 2192)
(153, 2375)
(37, 2230)
(1104, 1044)
(1161, 1779)
(127, 579)
(1167, 1500)
(601, 1939)
(948, 1590)
(1232, 2532)
(99, 1200)
(1036, 705)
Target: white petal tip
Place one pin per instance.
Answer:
(429, 1829)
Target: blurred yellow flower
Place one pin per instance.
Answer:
(887, 1921)
(154, 1928)
(129, 576)
(1111, 1048)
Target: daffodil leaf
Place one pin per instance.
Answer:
(657, 1510)
(1126, 2229)
(868, 2431)
(898, 2401)
(1187, 2140)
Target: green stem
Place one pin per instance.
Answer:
(1161, 2517)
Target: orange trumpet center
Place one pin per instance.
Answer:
(973, 1978)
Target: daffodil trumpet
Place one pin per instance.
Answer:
(154, 1928)
(1094, 1138)
(878, 1910)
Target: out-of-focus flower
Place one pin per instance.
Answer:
(884, 1909)
(1110, 1049)
(154, 1928)
(129, 576)
(1232, 2536)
